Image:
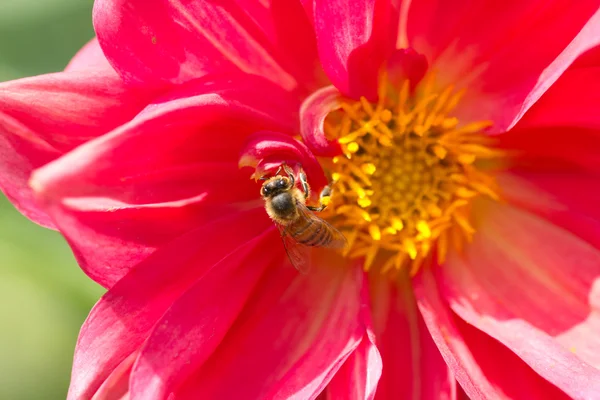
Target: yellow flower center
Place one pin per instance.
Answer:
(405, 184)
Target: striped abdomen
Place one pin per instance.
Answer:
(311, 232)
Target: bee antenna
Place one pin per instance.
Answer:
(263, 178)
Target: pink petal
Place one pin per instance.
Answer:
(188, 333)
(505, 56)
(406, 64)
(532, 286)
(572, 101)
(312, 117)
(43, 117)
(125, 316)
(354, 37)
(90, 57)
(358, 378)
(568, 200)
(290, 339)
(161, 174)
(412, 365)
(484, 368)
(173, 42)
(554, 149)
(116, 386)
(266, 149)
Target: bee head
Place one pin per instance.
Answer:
(275, 185)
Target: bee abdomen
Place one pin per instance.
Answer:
(314, 234)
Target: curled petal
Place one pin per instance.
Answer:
(553, 324)
(268, 150)
(354, 37)
(312, 118)
(290, 339)
(504, 71)
(161, 174)
(124, 317)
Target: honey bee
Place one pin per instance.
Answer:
(300, 228)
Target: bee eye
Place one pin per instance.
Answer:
(281, 184)
(265, 190)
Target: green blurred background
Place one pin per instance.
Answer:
(44, 296)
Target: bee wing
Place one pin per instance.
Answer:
(298, 254)
(338, 240)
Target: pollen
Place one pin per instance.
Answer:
(409, 173)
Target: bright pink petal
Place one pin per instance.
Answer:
(267, 150)
(43, 117)
(124, 317)
(173, 42)
(505, 56)
(484, 368)
(291, 338)
(314, 110)
(568, 200)
(554, 149)
(354, 37)
(189, 332)
(552, 323)
(160, 175)
(573, 101)
(90, 57)
(358, 378)
(412, 365)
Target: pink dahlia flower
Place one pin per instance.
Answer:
(461, 142)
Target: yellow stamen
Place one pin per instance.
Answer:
(408, 176)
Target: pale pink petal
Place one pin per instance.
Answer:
(358, 378)
(485, 368)
(90, 57)
(354, 37)
(413, 367)
(192, 328)
(176, 41)
(533, 287)
(161, 174)
(116, 386)
(312, 117)
(506, 56)
(124, 317)
(291, 338)
(43, 117)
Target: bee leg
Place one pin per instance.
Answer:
(290, 174)
(324, 199)
(304, 183)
